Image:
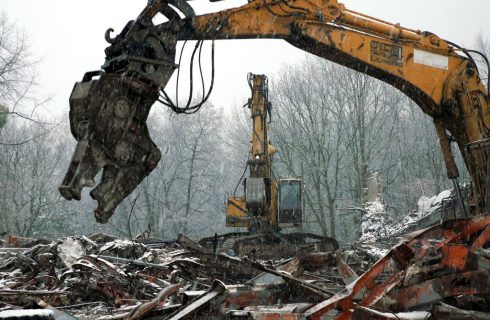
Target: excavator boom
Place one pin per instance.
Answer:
(258, 208)
(108, 114)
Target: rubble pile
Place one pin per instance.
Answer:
(442, 272)
(99, 276)
(430, 211)
(377, 225)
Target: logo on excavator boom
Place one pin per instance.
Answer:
(386, 53)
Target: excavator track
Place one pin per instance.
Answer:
(268, 245)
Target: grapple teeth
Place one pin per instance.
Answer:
(108, 115)
(108, 118)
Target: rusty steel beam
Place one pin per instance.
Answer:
(348, 275)
(190, 310)
(376, 293)
(434, 290)
(145, 308)
(482, 239)
(414, 247)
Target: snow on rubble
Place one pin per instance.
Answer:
(379, 231)
(426, 207)
(374, 221)
(377, 222)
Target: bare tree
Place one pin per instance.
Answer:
(183, 194)
(17, 74)
(202, 151)
(28, 174)
(482, 43)
(3, 117)
(238, 134)
(309, 134)
(333, 126)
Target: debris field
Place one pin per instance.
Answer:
(442, 272)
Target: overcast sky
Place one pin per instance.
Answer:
(68, 36)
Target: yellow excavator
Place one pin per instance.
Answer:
(109, 107)
(267, 204)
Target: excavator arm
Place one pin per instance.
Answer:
(108, 114)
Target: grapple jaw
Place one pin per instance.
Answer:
(108, 114)
(108, 118)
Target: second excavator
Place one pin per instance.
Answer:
(269, 204)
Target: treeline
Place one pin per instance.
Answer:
(332, 127)
(184, 194)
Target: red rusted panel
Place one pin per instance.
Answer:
(347, 315)
(455, 256)
(21, 242)
(415, 247)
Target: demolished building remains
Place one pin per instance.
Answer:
(440, 272)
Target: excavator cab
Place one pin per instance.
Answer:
(290, 203)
